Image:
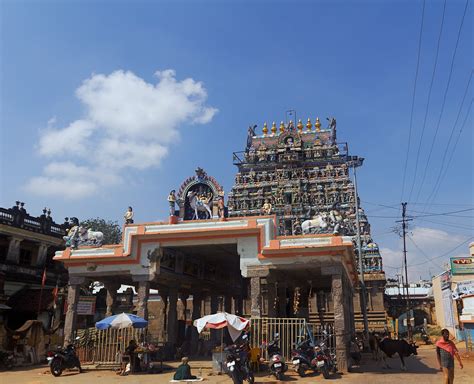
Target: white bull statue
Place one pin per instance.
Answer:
(79, 236)
(318, 224)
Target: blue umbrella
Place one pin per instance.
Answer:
(124, 320)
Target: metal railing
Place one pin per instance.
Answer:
(291, 331)
(104, 347)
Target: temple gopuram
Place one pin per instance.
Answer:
(301, 175)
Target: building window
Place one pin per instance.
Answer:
(25, 257)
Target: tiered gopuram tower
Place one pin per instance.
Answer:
(301, 175)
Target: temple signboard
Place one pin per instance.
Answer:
(85, 305)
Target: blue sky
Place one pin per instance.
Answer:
(88, 127)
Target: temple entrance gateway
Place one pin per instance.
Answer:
(236, 260)
(192, 267)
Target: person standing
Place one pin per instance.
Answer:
(445, 353)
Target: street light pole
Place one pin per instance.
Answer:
(357, 162)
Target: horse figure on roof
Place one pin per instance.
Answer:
(198, 205)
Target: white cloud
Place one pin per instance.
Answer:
(128, 124)
(71, 140)
(423, 257)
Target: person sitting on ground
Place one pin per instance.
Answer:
(184, 371)
(127, 357)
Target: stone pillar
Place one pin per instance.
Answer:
(110, 298)
(13, 254)
(42, 254)
(255, 297)
(143, 294)
(197, 300)
(172, 327)
(71, 313)
(239, 305)
(164, 313)
(303, 310)
(184, 300)
(272, 297)
(228, 303)
(340, 322)
(214, 309)
(281, 291)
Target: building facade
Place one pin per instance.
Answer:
(28, 274)
(449, 290)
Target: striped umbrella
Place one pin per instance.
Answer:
(124, 320)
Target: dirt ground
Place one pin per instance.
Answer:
(421, 369)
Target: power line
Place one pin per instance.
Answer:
(426, 215)
(446, 253)
(453, 225)
(442, 172)
(436, 257)
(428, 102)
(413, 98)
(422, 252)
(444, 101)
(393, 206)
(445, 213)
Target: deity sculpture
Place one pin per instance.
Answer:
(221, 207)
(78, 235)
(200, 173)
(172, 202)
(296, 227)
(128, 216)
(332, 127)
(267, 207)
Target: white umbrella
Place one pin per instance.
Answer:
(235, 324)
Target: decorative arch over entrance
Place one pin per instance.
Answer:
(205, 189)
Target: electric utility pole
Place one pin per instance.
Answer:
(407, 285)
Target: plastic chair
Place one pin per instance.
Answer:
(255, 359)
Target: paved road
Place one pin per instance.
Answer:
(421, 370)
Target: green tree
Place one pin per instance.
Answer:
(111, 229)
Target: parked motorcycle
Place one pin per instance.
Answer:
(63, 358)
(237, 362)
(421, 330)
(277, 363)
(325, 360)
(303, 357)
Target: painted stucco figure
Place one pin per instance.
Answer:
(78, 236)
(172, 202)
(128, 216)
(198, 205)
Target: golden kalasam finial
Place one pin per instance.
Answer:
(299, 126)
(282, 127)
(317, 125)
(309, 125)
(274, 128)
(265, 129)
